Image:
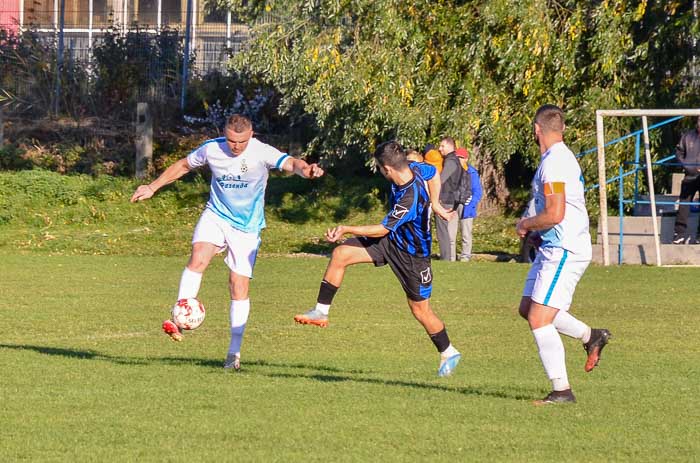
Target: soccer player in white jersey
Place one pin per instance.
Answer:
(233, 217)
(560, 222)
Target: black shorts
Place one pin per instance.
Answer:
(414, 273)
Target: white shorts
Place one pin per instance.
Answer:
(242, 247)
(553, 277)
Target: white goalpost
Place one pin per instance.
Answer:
(603, 196)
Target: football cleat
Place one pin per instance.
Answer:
(448, 364)
(594, 346)
(233, 362)
(557, 397)
(172, 330)
(312, 317)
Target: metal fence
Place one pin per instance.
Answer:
(72, 29)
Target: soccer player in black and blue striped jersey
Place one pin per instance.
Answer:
(402, 240)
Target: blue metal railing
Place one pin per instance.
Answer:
(635, 171)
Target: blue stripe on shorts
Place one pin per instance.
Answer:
(556, 277)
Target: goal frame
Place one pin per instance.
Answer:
(602, 181)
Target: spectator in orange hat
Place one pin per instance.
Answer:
(433, 157)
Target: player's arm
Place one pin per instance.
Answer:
(302, 168)
(168, 176)
(553, 213)
(434, 186)
(370, 231)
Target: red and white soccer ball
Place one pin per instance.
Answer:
(188, 314)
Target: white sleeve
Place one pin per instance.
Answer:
(198, 157)
(272, 157)
(554, 170)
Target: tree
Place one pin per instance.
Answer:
(368, 70)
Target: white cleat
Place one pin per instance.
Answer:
(233, 362)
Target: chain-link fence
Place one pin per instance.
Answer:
(62, 42)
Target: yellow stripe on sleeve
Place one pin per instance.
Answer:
(553, 188)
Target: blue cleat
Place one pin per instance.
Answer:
(448, 365)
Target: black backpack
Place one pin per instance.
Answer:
(463, 195)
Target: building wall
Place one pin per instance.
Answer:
(9, 15)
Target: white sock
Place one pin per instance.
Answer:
(189, 284)
(239, 317)
(323, 308)
(552, 355)
(449, 352)
(571, 326)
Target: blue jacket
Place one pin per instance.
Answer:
(469, 210)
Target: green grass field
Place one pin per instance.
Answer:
(88, 376)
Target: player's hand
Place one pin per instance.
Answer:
(445, 214)
(141, 193)
(313, 171)
(334, 234)
(520, 229)
(534, 239)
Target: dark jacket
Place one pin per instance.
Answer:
(688, 153)
(449, 178)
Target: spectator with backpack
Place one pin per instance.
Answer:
(468, 210)
(455, 191)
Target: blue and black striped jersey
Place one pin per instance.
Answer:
(408, 221)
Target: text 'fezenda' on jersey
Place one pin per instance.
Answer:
(559, 165)
(238, 182)
(408, 220)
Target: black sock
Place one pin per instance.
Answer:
(441, 340)
(326, 293)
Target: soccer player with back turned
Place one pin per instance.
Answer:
(402, 240)
(561, 224)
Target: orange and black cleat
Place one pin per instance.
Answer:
(594, 346)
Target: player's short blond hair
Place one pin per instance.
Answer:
(550, 118)
(239, 123)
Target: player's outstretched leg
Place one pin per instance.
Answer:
(349, 253)
(599, 339)
(171, 329)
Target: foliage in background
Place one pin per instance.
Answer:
(49, 213)
(368, 70)
(26, 74)
(137, 66)
(126, 68)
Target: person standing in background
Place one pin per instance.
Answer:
(449, 178)
(467, 212)
(688, 154)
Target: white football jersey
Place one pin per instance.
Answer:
(559, 164)
(238, 182)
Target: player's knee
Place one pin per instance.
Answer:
(420, 309)
(341, 255)
(197, 263)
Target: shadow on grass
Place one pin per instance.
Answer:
(339, 375)
(410, 384)
(122, 360)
